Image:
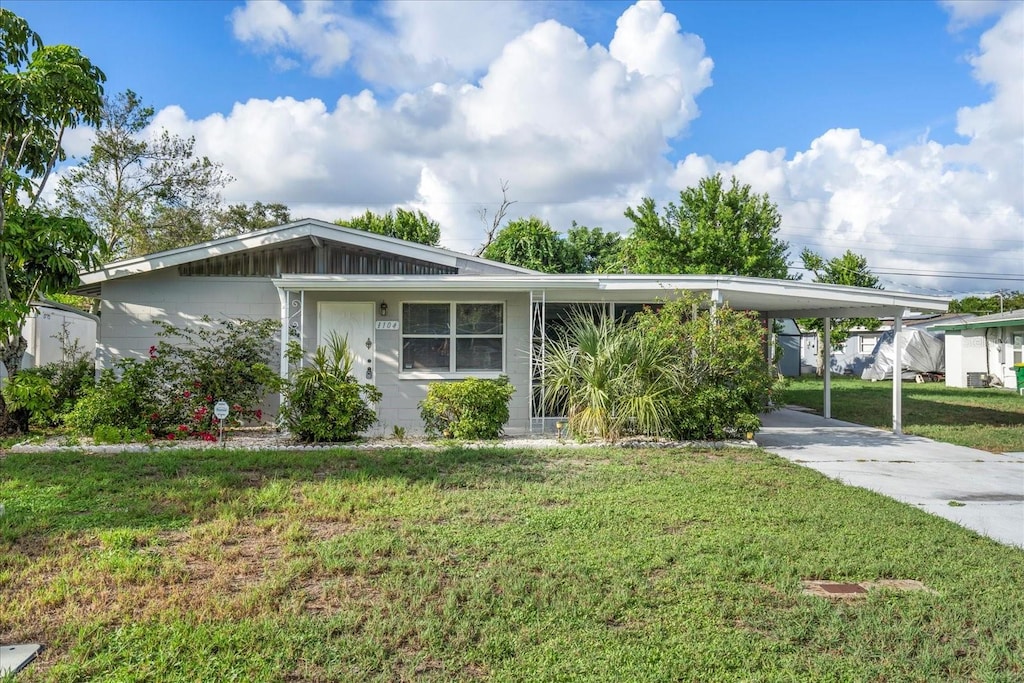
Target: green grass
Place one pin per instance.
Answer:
(600, 564)
(989, 419)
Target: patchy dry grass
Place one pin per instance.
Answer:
(487, 564)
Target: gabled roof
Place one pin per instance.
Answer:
(1007, 319)
(307, 227)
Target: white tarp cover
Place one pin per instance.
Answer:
(922, 352)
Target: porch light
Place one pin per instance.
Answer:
(383, 309)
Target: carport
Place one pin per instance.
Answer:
(773, 299)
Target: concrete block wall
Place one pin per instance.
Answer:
(402, 392)
(132, 307)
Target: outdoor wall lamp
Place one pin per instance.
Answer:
(383, 309)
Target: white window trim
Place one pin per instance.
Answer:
(404, 374)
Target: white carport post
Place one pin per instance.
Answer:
(897, 374)
(283, 296)
(826, 356)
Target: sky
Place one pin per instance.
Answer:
(894, 129)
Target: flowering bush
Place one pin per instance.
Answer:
(170, 395)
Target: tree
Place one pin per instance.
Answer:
(239, 219)
(849, 269)
(492, 230)
(713, 230)
(142, 195)
(986, 305)
(412, 226)
(532, 243)
(44, 91)
(595, 250)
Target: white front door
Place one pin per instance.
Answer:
(352, 321)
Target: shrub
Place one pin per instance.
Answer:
(723, 378)
(607, 380)
(325, 402)
(125, 397)
(171, 393)
(468, 409)
(51, 390)
(665, 373)
(32, 392)
(102, 434)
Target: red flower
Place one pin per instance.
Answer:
(170, 437)
(187, 394)
(209, 399)
(152, 351)
(154, 416)
(197, 384)
(259, 414)
(182, 428)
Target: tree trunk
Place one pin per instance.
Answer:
(13, 421)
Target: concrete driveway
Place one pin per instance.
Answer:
(918, 471)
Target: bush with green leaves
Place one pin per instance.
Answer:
(723, 378)
(51, 390)
(467, 409)
(30, 391)
(666, 373)
(171, 393)
(324, 402)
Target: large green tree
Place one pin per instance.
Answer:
(44, 91)
(139, 193)
(986, 305)
(848, 269)
(238, 219)
(532, 243)
(595, 250)
(713, 229)
(412, 226)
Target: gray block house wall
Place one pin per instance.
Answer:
(402, 392)
(132, 307)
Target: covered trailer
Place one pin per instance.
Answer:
(923, 353)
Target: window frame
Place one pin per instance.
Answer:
(452, 338)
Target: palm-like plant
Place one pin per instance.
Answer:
(609, 380)
(330, 361)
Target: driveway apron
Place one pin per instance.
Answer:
(986, 489)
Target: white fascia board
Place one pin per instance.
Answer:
(196, 252)
(311, 228)
(781, 297)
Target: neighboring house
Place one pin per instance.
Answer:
(48, 322)
(415, 314)
(984, 348)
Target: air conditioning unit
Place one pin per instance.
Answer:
(977, 380)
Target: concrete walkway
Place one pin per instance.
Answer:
(924, 473)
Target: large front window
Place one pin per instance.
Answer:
(443, 337)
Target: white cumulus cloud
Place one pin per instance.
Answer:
(943, 210)
(581, 131)
(314, 33)
(578, 130)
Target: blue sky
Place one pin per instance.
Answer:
(784, 72)
(784, 75)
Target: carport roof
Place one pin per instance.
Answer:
(772, 298)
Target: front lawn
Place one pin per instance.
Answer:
(486, 564)
(989, 419)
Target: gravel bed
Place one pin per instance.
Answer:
(271, 440)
